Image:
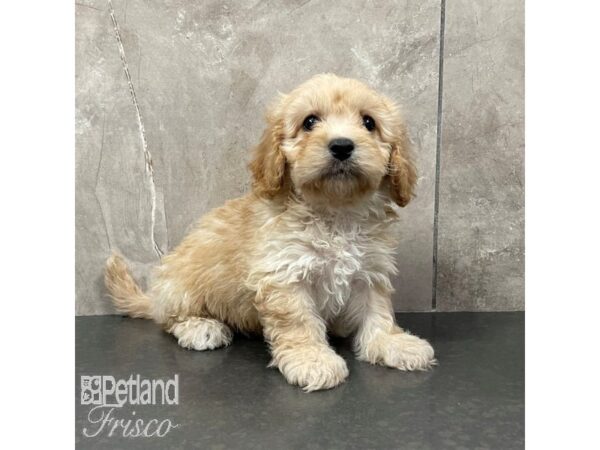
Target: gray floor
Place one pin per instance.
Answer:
(228, 398)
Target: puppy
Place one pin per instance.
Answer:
(310, 250)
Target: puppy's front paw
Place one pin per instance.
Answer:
(312, 368)
(400, 350)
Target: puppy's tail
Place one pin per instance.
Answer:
(125, 292)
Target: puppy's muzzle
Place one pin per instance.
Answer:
(341, 148)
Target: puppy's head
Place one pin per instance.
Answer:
(334, 140)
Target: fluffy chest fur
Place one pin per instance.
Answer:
(326, 255)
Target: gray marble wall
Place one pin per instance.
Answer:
(170, 97)
(480, 220)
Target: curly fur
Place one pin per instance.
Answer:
(310, 250)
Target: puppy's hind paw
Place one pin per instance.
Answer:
(199, 333)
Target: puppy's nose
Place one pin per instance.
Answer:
(341, 148)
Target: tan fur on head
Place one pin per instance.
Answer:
(401, 172)
(268, 163)
(310, 251)
(289, 153)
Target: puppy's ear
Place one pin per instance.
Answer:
(268, 161)
(402, 173)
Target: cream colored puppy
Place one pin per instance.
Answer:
(309, 250)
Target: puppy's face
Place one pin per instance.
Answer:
(334, 140)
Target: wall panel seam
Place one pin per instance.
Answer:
(438, 150)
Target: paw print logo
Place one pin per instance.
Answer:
(91, 393)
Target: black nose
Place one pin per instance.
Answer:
(341, 148)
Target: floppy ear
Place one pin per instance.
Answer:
(268, 162)
(401, 170)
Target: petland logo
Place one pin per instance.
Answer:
(106, 394)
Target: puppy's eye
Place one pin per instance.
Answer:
(369, 123)
(310, 122)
